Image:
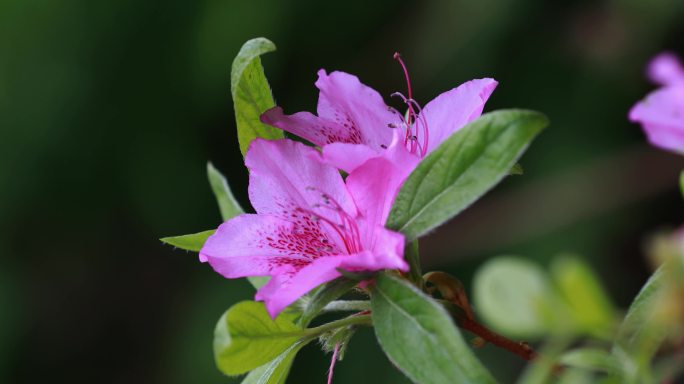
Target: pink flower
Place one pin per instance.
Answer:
(309, 223)
(661, 113)
(354, 124)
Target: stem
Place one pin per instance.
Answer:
(521, 349)
(347, 305)
(364, 319)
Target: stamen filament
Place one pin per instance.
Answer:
(412, 118)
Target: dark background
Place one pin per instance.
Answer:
(109, 111)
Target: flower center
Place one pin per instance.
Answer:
(414, 121)
(343, 225)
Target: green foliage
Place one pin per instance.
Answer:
(251, 93)
(192, 242)
(228, 206)
(276, 370)
(462, 169)
(516, 297)
(640, 311)
(246, 337)
(329, 292)
(592, 359)
(520, 299)
(590, 307)
(419, 336)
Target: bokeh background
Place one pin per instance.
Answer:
(109, 111)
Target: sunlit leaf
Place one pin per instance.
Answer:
(276, 370)
(462, 169)
(251, 93)
(192, 242)
(246, 337)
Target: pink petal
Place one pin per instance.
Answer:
(386, 252)
(262, 245)
(283, 290)
(286, 175)
(307, 126)
(666, 69)
(453, 109)
(348, 157)
(661, 115)
(374, 185)
(360, 109)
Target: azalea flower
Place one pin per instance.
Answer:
(354, 124)
(309, 223)
(661, 113)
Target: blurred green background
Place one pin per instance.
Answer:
(109, 111)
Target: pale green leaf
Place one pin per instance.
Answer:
(246, 337)
(591, 359)
(192, 242)
(224, 196)
(419, 336)
(275, 371)
(251, 93)
(515, 297)
(462, 169)
(590, 306)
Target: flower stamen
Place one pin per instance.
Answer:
(346, 228)
(412, 119)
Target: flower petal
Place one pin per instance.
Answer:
(348, 157)
(451, 110)
(283, 290)
(360, 109)
(374, 185)
(263, 245)
(286, 176)
(310, 127)
(666, 69)
(661, 115)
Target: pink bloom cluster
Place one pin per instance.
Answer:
(309, 221)
(661, 113)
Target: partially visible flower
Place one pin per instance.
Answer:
(661, 113)
(354, 124)
(309, 223)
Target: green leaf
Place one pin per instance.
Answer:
(246, 337)
(275, 371)
(592, 359)
(515, 297)
(331, 291)
(251, 93)
(590, 306)
(462, 169)
(192, 242)
(419, 336)
(635, 327)
(224, 196)
(681, 182)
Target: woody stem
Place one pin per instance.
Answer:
(519, 348)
